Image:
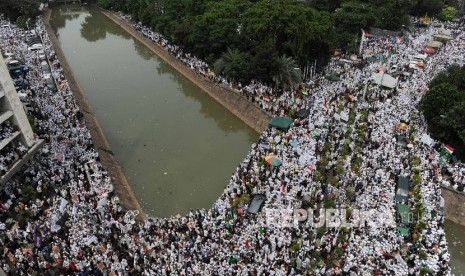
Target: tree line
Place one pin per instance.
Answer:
(444, 107)
(20, 11)
(266, 40)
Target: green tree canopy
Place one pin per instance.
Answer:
(12, 9)
(288, 74)
(444, 106)
(218, 28)
(427, 7)
(264, 30)
(448, 13)
(234, 64)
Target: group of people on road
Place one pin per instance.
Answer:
(343, 155)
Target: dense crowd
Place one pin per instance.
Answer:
(74, 222)
(11, 152)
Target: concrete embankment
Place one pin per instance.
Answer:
(236, 103)
(454, 205)
(121, 185)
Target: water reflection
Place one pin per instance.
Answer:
(223, 122)
(143, 51)
(95, 28)
(67, 13)
(455, 235)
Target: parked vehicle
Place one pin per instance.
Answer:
(46, 69)
(50, 83)
(41, 54)
(35, 47)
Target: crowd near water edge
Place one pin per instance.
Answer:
(76, 225)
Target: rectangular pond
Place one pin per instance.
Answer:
(178, 147)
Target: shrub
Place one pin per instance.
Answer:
(448, 13)
(29, 193)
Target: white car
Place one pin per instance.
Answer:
(41, 54)
(35, 47)
(8, 55)
(27, 107)
(22, 96)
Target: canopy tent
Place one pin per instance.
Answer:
(256, 203)
(429, 51)
(427, 140)
(446, 153)
(405, 232)
(384, 80)
(403, 214)
(334, 77)
(434, 44)
(402, 126)
(279, 122)
(442, 37)
(371, 59)
(303, 113)
(403, 187)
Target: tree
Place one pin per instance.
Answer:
(12, 9)
(288, 74)
(427, 7)
(264, 61)
(291, 26)
(233, 64)
(325, 5)
(354, 15)
(435, 106)
(218, 28)
(444, 105)
(448, 13)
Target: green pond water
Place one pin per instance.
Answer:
(178, 147)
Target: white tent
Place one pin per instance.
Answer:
(434, 44)
(426, 139)
(384, 80)
(442, 37)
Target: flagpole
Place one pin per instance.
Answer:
(361, 42)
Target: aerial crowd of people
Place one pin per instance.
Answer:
(344, 154)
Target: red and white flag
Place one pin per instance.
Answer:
(449, 149)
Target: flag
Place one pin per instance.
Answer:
(325, 106)
(449, 149)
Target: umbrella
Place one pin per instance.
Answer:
(294, 143)
(273, 160)
(429, 50)
(334, 77)
(402, 126)
(353, 57)
(371, 59)
(434, 44)
(303, 113)
(380, 68)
